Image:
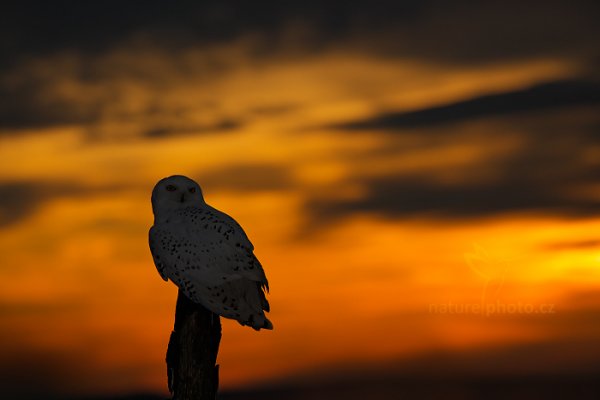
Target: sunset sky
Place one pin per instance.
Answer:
(420, 180)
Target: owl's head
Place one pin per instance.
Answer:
(175, 192)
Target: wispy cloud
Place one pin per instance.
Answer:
(543, 97)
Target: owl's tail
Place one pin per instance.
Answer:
(257, 300)
(243, 300)
(258, 322)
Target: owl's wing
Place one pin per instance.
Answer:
(211, 269)
(177, 253)
(249, 291)
(231, 229)
(155, 251)
(225, 230)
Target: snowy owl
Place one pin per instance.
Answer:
(206, 254)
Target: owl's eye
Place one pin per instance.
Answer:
(171, 188)
(192, 190)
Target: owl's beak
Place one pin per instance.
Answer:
(182, 197)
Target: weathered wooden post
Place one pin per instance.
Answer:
(192, 353)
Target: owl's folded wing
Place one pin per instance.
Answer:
(156, 254)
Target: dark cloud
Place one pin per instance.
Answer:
(19, 199)
(42, 374)
(247, 178)
(392, 388)
(28, 107)
(224, 125)
(432, 30)
(544, 174)
(467, 33)
(542, 97)
(40, 28)
(512, 371)
(461, 31)
(31, 374)
(398, 196)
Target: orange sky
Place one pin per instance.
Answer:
(80, 297)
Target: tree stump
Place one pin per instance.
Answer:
(192, 353)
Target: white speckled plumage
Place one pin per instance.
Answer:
(206, 254)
